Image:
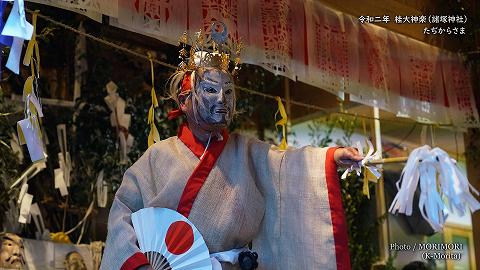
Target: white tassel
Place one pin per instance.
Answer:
(424, 164)
(402, 203)
(370, 156)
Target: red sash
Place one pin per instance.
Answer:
(201, 172)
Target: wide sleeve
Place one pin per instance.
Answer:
(121, 250)
(304, 225)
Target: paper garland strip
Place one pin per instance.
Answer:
(438, 196)
(282, 122)
(153, 135)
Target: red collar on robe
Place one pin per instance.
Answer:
(205, 165)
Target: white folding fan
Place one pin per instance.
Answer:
(169, 240)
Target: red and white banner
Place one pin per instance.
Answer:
(304, 40)
(421, 92)
(379, 76)
(458, 87)
(90, 13)
(277, 36)
(107, 7)
(165, 20)
(332, 49)
(234, 13)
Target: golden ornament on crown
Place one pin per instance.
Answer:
(216, 50)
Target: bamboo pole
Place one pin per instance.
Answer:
(388, 160)
(380, 196)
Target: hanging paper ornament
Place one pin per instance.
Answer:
(33, 170)
(18, 28)
(102, 190)
(59, 182)
(455, 185)
(282, 122)
(28, 59)
(41, 232)
(119, 119)
(25, 205)
(4, 40)
(153, 135)
(169, 240)
(23, 190)
(371, 173)
(438, 196)
(62, 174)
(29, 131)
(64, 159)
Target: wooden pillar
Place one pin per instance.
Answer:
(380, 195)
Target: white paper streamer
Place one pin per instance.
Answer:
(33, 170)
(370, 156)
(25, 208)
(119, 119)
(437, 198)
(36, 214)
(102, 190)
(23, 190)
(17, 27)
(60, 182)
(29, 131)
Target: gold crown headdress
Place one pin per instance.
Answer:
(216, 50)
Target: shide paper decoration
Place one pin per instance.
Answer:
(102, 190)
(282, 123)
(443, 188)
(119, 120)
(41, 232)
(62, 174)
(371, 173)
(153, 135)
(24, 198)
(18, 28)
(28, 129)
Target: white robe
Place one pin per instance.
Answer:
(287, 202)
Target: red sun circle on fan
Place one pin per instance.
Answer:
(179, 238)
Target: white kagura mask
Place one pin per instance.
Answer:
(212, 103)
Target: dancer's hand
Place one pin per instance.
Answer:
(347, 156)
